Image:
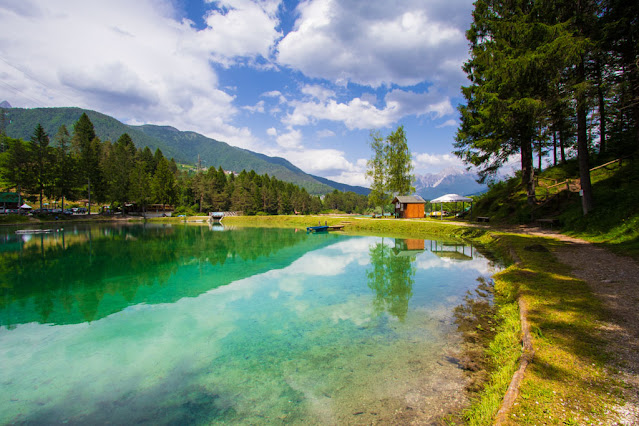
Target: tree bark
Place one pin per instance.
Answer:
(527, 173)
(554, 147)
(539, 157)
(562, 148)
(602, 111)
(587, 202)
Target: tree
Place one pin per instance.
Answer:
(119, 163)
(399, 164)
(163, 183)
(621, 42)
(376, 170)
(146, 157)
(15, 166)
(519, 50)
(42, 160)
(390, 167)
(140, 189)
(65, 170)
(87, 146)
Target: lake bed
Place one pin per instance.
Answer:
(183, 324)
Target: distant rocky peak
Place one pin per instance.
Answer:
(5, 104)
(450, 180)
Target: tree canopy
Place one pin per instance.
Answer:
(542, 70)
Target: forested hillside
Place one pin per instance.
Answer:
(184, 147)
(78, 165)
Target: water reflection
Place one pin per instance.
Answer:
(85, 273)
(313, 328)
(391, 276)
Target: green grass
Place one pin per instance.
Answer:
(614, 222)
(7, 219)
(567, 381)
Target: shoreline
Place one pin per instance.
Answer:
(536, 278)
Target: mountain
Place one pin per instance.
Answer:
(5, 104)
(343, 187)
(183, 146)
(448, 181)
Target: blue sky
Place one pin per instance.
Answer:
(304, 80)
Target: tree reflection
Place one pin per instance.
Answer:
(392, 277)
(86, 274)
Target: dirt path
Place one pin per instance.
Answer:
(615, 280)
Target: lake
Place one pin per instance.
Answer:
(198, 324)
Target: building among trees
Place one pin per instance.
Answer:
(409, 207)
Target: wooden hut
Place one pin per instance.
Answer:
(9, 201)
(409, 206)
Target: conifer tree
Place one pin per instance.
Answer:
(42, 160)
(65, 169)
(163, 183)
(15, 167)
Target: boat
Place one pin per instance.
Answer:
(317, 229)
(33, 231)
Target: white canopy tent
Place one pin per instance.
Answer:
(25, 206)
(450, 198)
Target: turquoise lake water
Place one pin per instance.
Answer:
(158, 324)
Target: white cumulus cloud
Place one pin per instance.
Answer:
(400, 42)
(360, 113)
(133, 60)
(435, 162)
(291, 139)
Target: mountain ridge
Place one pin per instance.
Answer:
(183, 146)
(450, 180)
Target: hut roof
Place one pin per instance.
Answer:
(450, 198)
(409, 199)
(9, 197)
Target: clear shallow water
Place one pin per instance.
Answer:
(182, 325)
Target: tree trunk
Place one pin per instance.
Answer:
(89, 188)
(539, 157)
(554, 147)
(527, 173)
(602, 112)
(562, 148)
(587, 203)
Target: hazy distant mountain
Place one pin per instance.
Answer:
(451, 180)
(5, 104)
(343, 187)
(183, 146)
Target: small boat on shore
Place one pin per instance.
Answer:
(33, 231)
(324, 228)
(316, 229)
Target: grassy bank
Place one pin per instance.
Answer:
(614, 222)
(364, 226)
